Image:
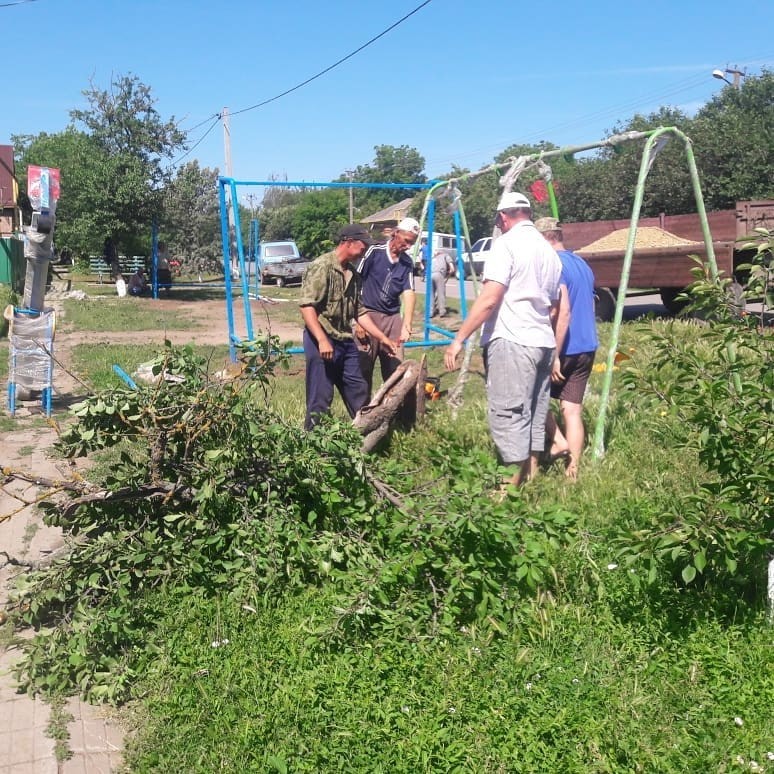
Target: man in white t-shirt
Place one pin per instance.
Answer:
(518, 302)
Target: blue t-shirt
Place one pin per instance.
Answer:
(385, 281)
(579, 279)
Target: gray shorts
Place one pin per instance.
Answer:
(518, 384)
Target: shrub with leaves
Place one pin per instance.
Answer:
(215, 493)
(713, 395)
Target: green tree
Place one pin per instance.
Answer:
(602, 186)
(317, 217)
(74, 153)
(122, 185)
(391, 164)
(733, 137)
(191, 223)
(276, 212)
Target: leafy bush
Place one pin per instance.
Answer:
(214, 491)
(7, 296)
(715, 396)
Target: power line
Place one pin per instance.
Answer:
(335, 64)
(676, 88)
(17, 2)
(214, 123)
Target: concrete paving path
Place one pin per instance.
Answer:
(95, 743)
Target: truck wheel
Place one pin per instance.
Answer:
(670, 301)
(604, 304)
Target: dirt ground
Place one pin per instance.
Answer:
(209, 324)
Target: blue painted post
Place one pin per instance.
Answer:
(429, 266)
(460, 263)
(155, 259)
(242, 268)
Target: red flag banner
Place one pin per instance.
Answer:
(539, 191)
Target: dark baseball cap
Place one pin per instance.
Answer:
(355, 231)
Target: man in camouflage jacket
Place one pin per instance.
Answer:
(330, 305)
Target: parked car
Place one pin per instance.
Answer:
(281, 262)
(443, 243)
(286, 272)
(478, 255)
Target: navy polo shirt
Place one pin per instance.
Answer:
(385, 281)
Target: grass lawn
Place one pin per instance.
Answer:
(125, 314)
(595, 670)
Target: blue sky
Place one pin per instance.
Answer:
(459, 80)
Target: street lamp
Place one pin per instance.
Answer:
(735, 72)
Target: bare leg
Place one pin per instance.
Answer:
(525, 471)
(559, 443)
(573, 427)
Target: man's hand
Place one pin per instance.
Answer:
(450, 358)
(405, 333)
(389, 345)
(325, 348)
(360, 333)
(557, 377)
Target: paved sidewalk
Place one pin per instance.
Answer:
(24, 747)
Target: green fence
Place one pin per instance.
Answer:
(12, 265)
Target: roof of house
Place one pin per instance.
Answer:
(394, 212)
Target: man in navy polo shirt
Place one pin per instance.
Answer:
(388, 278)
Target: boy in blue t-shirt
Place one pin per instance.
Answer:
(576, 345)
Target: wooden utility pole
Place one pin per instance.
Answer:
(351, 198)
(230, 204)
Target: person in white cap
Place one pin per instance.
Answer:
(388, 279)
(518, 301)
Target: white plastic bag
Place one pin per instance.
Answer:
(121, 287)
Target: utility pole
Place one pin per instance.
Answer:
(349, 174)
(232, 204)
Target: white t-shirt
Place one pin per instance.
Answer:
(530, 269)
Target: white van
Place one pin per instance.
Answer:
(445, 243)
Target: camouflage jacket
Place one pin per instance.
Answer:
(336, 301)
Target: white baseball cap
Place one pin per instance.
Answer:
(512, 200)
(410, 225)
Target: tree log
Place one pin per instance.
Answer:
(374, 419)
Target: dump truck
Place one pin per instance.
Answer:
(665, 267)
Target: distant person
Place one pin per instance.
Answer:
(138, 283)
(443, 267)
(110, 257)
(518, 301)
(388, 279)
(330, 306)
(424, 253)
(576, 346)
(163, 265)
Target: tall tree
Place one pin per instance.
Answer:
(191, 223)
(733, 137)
(391, 164)
(603, 185)
(74, 153)
(316, 219)
(125, 180)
